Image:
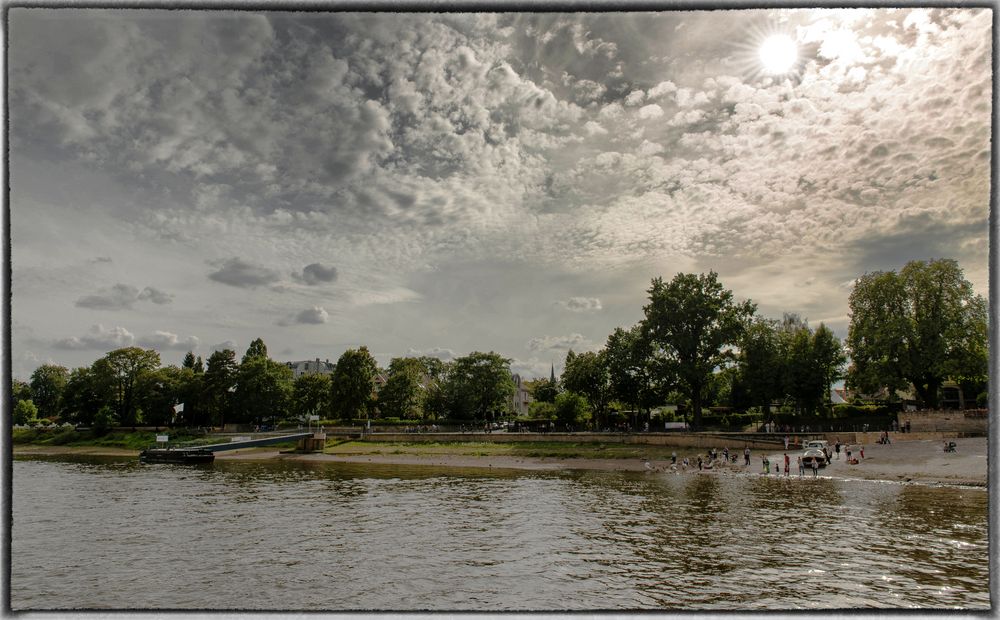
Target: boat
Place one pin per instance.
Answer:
(186, 456)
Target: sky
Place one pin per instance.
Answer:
(437, 184)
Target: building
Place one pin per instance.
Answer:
(311, 367)
(521, 398)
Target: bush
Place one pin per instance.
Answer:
(25, 412)
(862, 411)
(103, 421)
(982, 401)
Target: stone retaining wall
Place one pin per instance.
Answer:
(947, 421)
(688, 440)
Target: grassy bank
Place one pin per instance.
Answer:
(72, 438)
(514, 449)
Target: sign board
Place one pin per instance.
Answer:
(235, 439)
(313, 418)
(162, 438)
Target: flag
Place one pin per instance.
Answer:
(179, 408)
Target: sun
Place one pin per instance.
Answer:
(778, 54)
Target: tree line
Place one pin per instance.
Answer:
(696, 346)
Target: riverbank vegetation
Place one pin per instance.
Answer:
(542, 449)
(698, 355)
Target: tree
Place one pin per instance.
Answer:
(219, 383)
(352, 386)
(47, 385)
(189, 360)
(587, 374)
(571, 410)
(310, 395)
(85, 393)
(542, 390)
(917, 327)
(479, 386)
(403, 394)
(690, 322)
(159, 390)
(25, 413)
(628, 357)
(761, 364)
(829, 358)
(19, 390)
(263, 389)
(121, 369)
(257, 349)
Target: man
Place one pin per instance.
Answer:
(746, 455)
(815, 468)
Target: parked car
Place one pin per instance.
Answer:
(815, 449)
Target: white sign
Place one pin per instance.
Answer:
(235, 439)
(313, 418)
(162, 438)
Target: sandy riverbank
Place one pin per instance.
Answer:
(903, 461)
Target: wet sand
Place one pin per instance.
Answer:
(903, 461)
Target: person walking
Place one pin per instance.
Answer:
(786, 442)
(802, 468)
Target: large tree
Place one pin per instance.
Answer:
(121, 369)
(917, 327)
(219, 383)
(628, 358)
(47, 385)
(761, 364)
(479, 386)
(403, 394)
(311, 395)
(84, 395)
(263, 389)
(352, 386)
(587, 375)
(691, 321)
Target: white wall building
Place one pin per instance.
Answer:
(311, 367)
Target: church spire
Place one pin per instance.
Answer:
(552, 376)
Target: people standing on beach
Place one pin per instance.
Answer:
(802, 468)
(746, 455)
(765, 465)
(673, 457)
(815, 468)
(836, 448)
(848, 448)
(787, 460)
(699, 462)
(685, 463)
(861, 451)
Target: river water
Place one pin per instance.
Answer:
(110, 533)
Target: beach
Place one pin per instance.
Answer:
(922, 461)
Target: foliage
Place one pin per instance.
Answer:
(571, 409)
(690, 322)
(982, 401)
(311, 395)
(479, 387)
(631, 375)
(256, 350)
(103, 421)
(403, 394)
(19, 390)
(352, 386)
(587, 374)
(541, 410)
(542, 390)
(47, 385)
(919, 326)
(263, 389)
(761, 363)
(25, 412)
(219, 383)
(120, 369)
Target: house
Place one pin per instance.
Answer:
(311, 367)
(521, 398)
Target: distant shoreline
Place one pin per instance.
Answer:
(922, 462)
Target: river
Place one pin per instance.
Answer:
(111, 533)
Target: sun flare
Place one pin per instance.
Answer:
(778, 54)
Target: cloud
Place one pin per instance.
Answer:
(239, 273)
(312, 316)
(164, 341)
(100, 338)
(580, 304)
(442, 354)
(316, 273)
(122, 297)
(650, 111)
(156, 296)
(576, 342)
(224, 345)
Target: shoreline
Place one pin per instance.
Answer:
(914, 462)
